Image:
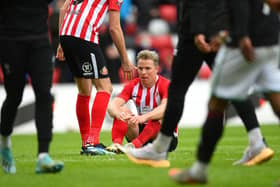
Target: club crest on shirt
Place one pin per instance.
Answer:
(119, 2)
(87, 68)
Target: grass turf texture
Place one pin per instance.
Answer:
(117, 170)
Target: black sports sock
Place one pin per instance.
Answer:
(246, 112)
(43, 146)
(211, 132)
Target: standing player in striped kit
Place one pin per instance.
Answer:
(80, 21)
(149, 94)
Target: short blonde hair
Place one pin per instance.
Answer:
(148, 55)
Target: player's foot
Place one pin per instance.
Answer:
(48, 165)
(183, 176)
(114, 148)
(126, 147)
(254, 156)
(87, 149)
(264, 155)
(8, 164)
(100, 145)
(100, 149)
(148, 156)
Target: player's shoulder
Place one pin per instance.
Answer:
(163, 79)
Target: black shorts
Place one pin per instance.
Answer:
(85, 59)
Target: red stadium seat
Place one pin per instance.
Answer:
(168, 12)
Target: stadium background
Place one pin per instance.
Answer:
(147, 24)
(65, 99)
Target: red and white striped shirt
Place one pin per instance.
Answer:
(145, 99)
(84, 18)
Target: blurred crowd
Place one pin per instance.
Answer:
(147, 24)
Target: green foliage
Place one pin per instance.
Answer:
(102, 171)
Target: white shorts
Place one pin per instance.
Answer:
(234, 78)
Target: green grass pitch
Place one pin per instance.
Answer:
(118, 171)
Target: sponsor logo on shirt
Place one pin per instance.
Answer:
(75, 12)
(145, 109)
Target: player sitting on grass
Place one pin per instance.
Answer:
(149, 94)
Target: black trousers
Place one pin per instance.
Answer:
(186, 64)
(20, 59)
(185, 67)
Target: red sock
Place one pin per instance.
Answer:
(150, 131)
(98, 112)
(118, 131)
(83, 116)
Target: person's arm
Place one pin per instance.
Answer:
(117, 110)
(118, 39)
(239, 15)
(218, 39)
(62, 12)
(156, 114)
(198, 9)
(197, 15)
(274, 4)
(201, 44)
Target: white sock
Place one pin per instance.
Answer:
(255, 137)
(162, 143)
(42, 155)
(198, 169)
(6, 141)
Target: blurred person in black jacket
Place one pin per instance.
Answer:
(199, 22)
(25, 51)
(248, 61)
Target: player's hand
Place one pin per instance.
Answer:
(124, 116)
(201, 44)
(60, 53)
(139, 119)
(131, 124)
(128, 69)
(247, 49)
(218, 40)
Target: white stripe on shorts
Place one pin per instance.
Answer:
(94, 64)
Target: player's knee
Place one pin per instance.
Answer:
(217, 104)
(177, 92)
(103, 85)
(14, 100)
(44, 96)
(177, 97)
